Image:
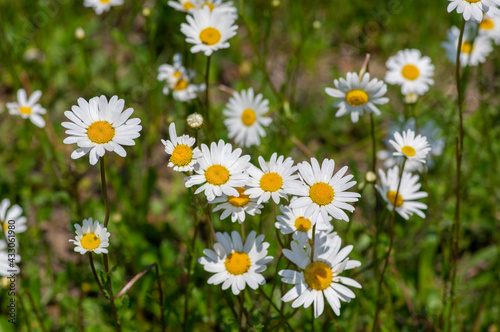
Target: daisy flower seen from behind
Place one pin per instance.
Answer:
(28, 107)
(474, 8)
(410, 146)
(91, 236)
(236, 264)
(357, 96)
(11, 217)
(101, 6)
(470, 54)
(237, 206)
(245, 117)
(183, 157)
(97, 126)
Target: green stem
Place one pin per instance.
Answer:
(207, 96)
(95, 276)
(110, 290)
(104, 190)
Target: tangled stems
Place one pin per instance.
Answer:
(391, 242)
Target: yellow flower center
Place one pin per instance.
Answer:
(104, 1)
(177, 74)
(356, 97)
(25, 110)
(321, 193)
(211, 6)
(472, 1)
(240, 201)
(408, 151)
(5, 226)
(210, 36)
(248, 117)
(318, 275)
(101, 132)
(90, 241)
(302, 224)
(487, 24)
(271, 182)
(217, 175)
(466, 47)
(237, 263)
(181, 85)
(410, 72)
(182, 155)
(398, 201)
(188, 5)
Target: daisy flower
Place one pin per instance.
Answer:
(470, 54)
(221, 170)
(92, 236)
(97, 126)
(411, 70)
(490, 27)
(208, 30)
(409, 146)
(358, 95)
(8, 260)
(226, 7)
(319, 278)
(182, 154)
(272, 179)
(246, 119)
(28, 107)
(101, 6)
(321, 192)
(10, 217)
(184, 5)
(237, 206)
(408, 192)
(236, 264)
(474, 8)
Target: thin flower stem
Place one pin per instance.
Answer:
(35, 310)
(312, 318)
(241, 299)
(96, 277)
(190, 262)
(208, 212)
(104, 190)
(24, 309)
(110, 290)
(274, 283)
(277, 309)
(243, 232)
(313, 242)
(162, 307)
(277, 231)
(207, 96)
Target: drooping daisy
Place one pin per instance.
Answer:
(490, 27)
(10, 217)
(246, 119)
(319, 277)
(408, 192)
(8, 260)
(221, 170)
(101, 6)
(183, 157)
(409, 146)
(358, 95)
(271, 180)
(411, 70)
(474, 8)
(97, 126)
(208, 30)
(91, 236)
(470, 54)
(237, 206)
(28, 107)
(236, 264)
(184, 5)
(321, 192)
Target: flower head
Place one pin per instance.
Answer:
(183, 157)
(471, 54)
(490, 27)
(28, 107)
(411, 70)
(101, 6)
(410, 146)
(237, 206)
(475, 8)
(11, 217)
(91, 236)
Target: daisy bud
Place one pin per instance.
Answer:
(316, 25)
(146, 11)
(195, 120)
(79, 33)
(370, 176)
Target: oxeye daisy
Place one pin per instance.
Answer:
(470, 54)
(320, 276)
(411, 70)
(408, 192)
(474, 8)
(272, 179)
(245, 122)
(97, 126)
(182, 154)
(220, 170)
(91, 236)
(101, 6)
(236, 264)
(184, 5)
(209, 30)
(10, 217)
(358, 95)
(224, 6)
(8, 260)
(409, 146)
(237, 206)
(321, 192)
(28, 107)
(490, 27)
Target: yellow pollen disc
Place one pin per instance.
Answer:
(302, 224)
(104, 1)
(487, 24)
(271, 182)
(209, 36)
(466, 47)
(410, 72)
(5, 226)
(356, 97)
(321, 193)
(90, 241)
(391, 196)
(408, 151)
(237, 263)
(318, 275)
(248, 117)
(188, 5)
(217, 175)
(472, 1)
(211, 6)
(177, 74)
(25, 110)
(182, 155)
(101, 132)
(181, 85)
(240, 201)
